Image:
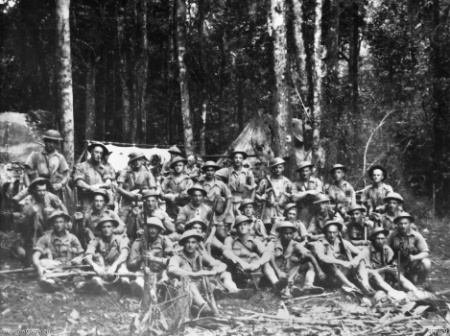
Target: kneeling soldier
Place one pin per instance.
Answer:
(335, 257)
(56, 249)
(411, 249)
(106, 254)
(291, 258)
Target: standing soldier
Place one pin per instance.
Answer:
(411, 249)
(258, 172)
(191, 169)
(373, 195)
(175, 187)
(305, 190)
(274, 191)
(174, 152)
(340, 192)
(359, 228)
(92, 174)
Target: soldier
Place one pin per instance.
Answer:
(56, 249)
(107, 254)
(340, 192)
(175, 187)
(217, 191)
(132, 181)
(195, 209)
(112, 193)
(411, 249)
(275, 190)
(258, 172)
(333, 254)
(290, 259)
(290, 213)
(374, 194)
(257, 228)
(322, 213)
(48, 163)
(174, 152)
(393, 206)
(99, 209)
(240, 180)
(191, 169)
(189, 262)
(305, 190)
(154, 250)
(252, 256)
(359, 228)
(92, 174)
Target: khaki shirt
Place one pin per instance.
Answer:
(189, 211)
(42, 209)
(324, 248)
(158, 213)
(109, 251)
(304, 206)
(342, 195)
(289, 257)
(140, 179)
(63, 249)
(51, 166)
(198, 263)
(91, 174)
(237, 180)
(179, 186)
(216, 190)
(301, 229)
(378, 259)
(316, 223)
(413, 241)
(161, 248)
(279, 186)
(374, 196)
(248, 251)
(91, 219)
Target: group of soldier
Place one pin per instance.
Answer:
(235, 226)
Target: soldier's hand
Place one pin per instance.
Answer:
(322, 275)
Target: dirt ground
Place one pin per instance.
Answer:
(24, 306)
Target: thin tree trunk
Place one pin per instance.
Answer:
(65, 79)
(203, 79)
(183, 78)
(283, 139)
(353, 71)
(319, 73)
(90, 100)
(141, 69)
(299, 42)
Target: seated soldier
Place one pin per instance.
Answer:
(99, 209)
(196, 208)
(373, 195)
(154, 250)
(381, 264)
(217, 249)
(291, 258)
(190, 263)
(38, 206)
(257, 228)
(321, 214)
(107, 254)
(56, 249)
(290, 213)
(333, 254)
(393, 203)
(411, 248)
(252, 255)
(359, 228)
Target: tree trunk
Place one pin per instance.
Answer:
(283, 139)
(123, 75)
(203, 79)
(90, 100)
(183, 78)
(65, 79)
(299, 43)
(353, 71)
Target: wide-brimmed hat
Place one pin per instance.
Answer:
(393, 196)
(150, 193)
(304, 164)
(92, 145)
(245, 202)
(275, 162)
(101, 192)
(288, 207)
(155, 221)
(402, 215)
(355, 207)
(58, 213)
(190, 234)
(133, 156)
(195, 220)
(378, 230)
(39, 180)
(321, 198)
(234, 152)
(210, 164)
(241, 219)
(104, 219)
(176, 160)
(338, 166)
(175, 150)
(197, 187)
(286, 225)
(333, 221)
(52, 135)
(371, 169)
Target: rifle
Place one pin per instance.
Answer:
(32, 269)
(63, 274)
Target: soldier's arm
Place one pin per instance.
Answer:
(121, 189)
(422, 246)
(266, 253)
(183, 194)
(226, 193)
(124, 252)
(174, 268)
(327, 259)
(121, 227)
(181, 218)
(216, 266)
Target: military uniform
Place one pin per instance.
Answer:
(374, 196)
(107, 253)
(355, 231)
(63, 249)
(216, 190)
(301, 230)
(161, 248)
(341, 195)
(279, 186)
(237, 182)
(188, 212)
(304, 205)
(177, 186)
(92, 218)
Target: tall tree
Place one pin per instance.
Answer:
(203, 76)
(299, 42)
(90, 97)
(183, 77)
(65, 78)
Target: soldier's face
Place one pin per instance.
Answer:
(137, 163)
(248, 210)
(190, 245)
(278, 170)
(379, 240)
(305, 173)
(99, 202)
(97, 153)
(197, 197)
(151, 203)
(323, 207)
(50, 145)
(403, 225)
(59, 224)
(377, 175)
(209, 172)
(41, 190)
(356, 215)
(291, 215)
(287, 234)
(238, 159)
(179, 167)
(338, 175)
(332, 233)
(153, 231)
(392, 205)
(243, 228)
(107, 229)
(197, 227)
